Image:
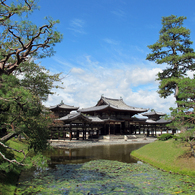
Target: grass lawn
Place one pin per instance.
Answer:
(167, 155)
(8, 180)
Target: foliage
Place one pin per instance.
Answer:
(23, 111)
(172, 48)
(165, 137)
(188, 137)
(15, 9)
(9, 173)
(21, 40)
(184, 115)
(37, 79)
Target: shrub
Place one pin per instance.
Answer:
(165, 137)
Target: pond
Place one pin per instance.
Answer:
(81, 155)
(101, 170)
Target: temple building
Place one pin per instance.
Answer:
(62, 109)
(108, 117)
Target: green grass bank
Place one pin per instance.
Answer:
(9, 180)
(167, 155)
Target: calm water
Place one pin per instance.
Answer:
(81, 155)
(119, 153)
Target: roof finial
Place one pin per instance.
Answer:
(102, 95)
(121, 98)
(61, 102)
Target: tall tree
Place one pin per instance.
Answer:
(174, 49)
(20, 99)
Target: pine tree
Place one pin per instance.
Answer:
(174, 49)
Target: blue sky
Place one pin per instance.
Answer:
(105, 46)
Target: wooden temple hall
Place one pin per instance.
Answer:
(107, 117)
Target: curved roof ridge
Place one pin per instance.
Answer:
(121, 103)
(65, 106)
(110, 98)
(92, 108)
(107, 100)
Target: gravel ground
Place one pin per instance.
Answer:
(82, 144)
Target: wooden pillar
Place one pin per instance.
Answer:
(58, 132)
(70, 134)
(155, 129)
(83, 129)
(64, 130)
(109, 128)
(114, 128)
(139, 129)
(148, 133)
(144, 129)
(77, 134)
(91, 130)
(104, 128)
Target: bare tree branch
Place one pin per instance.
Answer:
(13, 161)
(23, 52)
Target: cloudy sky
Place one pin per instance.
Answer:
(104, 49)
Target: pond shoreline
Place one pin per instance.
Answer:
(82, 144)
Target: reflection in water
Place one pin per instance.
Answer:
(119, 153)
(81, 155)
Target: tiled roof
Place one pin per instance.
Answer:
(116, 104)
(120, 104)
(74, 116)
(153, 113)
(95, 108)
(95, 119)
(63, 106)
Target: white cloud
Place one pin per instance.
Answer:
(143, 75)
(77, 71)
(84, 87)
(77, 25)
(111, 41)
